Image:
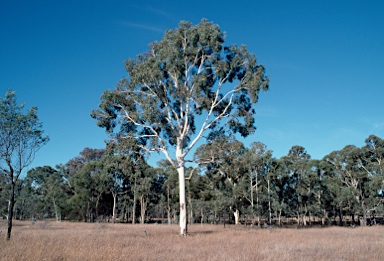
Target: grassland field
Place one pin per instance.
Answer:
(51, 240)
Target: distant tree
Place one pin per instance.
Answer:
(372, 161)
(170, 189)
(320, 181)
(186, 76)
(90, 185)
(29, 203)
(347, 168)
(21, 136)
(3, 194)
(49, 183)
(86, 155)
(115, 165)
(223, 160)
(297, 168)
(88, 182)
(257, 160)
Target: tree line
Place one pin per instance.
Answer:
(232, 183)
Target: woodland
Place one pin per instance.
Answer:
(244, 185)
(190, 99)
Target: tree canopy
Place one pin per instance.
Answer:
(185, 85)
(21, 136)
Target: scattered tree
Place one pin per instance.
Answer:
(21, 136)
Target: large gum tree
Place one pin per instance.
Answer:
(185, 86)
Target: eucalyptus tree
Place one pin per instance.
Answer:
(372, 161)
(187, 84)
(3, 194)
(271, 167)
(49, 183)
(118, 166)
(374, 156)
(321, 199)
(196, 185)
(336, 200)
(347, 167)
(90, 184)
(170, 188)
(138, 173)
(21, 136)
(29, 203)
(296, 166)
(257, 160)
(281, 192)
(223, 160)
(317, 190)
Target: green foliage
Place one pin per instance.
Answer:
(178, 79)
(231, 177)
(21, 136)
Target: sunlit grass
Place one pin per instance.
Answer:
(82, 241)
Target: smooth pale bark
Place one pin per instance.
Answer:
(236, 214)
(114, 207)
(269, 202)
(143, 209)
(252, 205)
(134, 210)
(183, 205)
(55, 208)
(134, 205)
(257, 200)
(182, 195)
(168, 207)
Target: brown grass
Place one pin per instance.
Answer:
(78, 241)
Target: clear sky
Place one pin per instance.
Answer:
(325, 60)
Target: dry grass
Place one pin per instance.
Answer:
(79, 241)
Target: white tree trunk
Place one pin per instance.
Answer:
(55, 208)
(143, 209)
(181, 171)
(168, 208)
(269, 203)
(134, 201)
(114, 207)
(183, 206)
(134, 207)
(236, 214)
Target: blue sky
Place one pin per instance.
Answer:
(325, 60)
